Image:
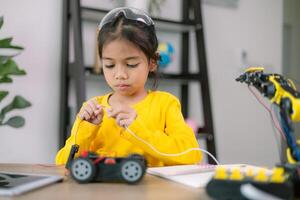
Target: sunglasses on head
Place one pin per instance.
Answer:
(129, 13)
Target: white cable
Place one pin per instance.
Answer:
(173, 154)
(253, 193)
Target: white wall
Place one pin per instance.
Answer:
(243, 128)
(291, 45)
(35, 25)
(291, 19)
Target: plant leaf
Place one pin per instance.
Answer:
(5, 79)
(1, 21)
(3, 94)
(17, 103)
(10, 68)
(6, 43)
(3, 59)
(16, 122)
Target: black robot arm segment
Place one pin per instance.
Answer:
(282, 92)
(276, 88)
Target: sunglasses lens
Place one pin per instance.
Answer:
(128, 13)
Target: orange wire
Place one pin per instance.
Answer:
(276, 123)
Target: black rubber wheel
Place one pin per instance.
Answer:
(83, 170)
(132, 171)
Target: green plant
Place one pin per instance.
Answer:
(8, 68)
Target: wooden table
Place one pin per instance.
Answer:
(150, 187)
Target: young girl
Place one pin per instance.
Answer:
(131, 119)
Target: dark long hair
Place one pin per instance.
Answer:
(138, 33)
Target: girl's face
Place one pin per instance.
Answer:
(125, 67)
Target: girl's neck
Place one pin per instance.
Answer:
(116, 98)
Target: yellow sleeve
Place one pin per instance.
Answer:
(82, 134)
(176, 138)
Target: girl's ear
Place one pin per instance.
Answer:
(153, 65)
(154, 62)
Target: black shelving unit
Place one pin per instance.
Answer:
(73, 16)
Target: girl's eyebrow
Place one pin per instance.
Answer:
(132, 58)
(128, 58)
(106, 58)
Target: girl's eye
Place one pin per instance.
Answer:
(109, 66)
(133, 66)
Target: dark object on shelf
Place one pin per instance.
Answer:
(232, 184)
(73, 16)
(91, 167)
(227, 189)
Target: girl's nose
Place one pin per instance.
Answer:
(121, 73)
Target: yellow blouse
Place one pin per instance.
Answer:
(158, 128)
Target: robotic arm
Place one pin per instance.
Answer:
(284, 181)
(282, 92)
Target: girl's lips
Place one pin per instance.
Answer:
(122, 86)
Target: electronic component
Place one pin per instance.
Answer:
(282, 92)
(227, 183)
(91, 167)
(73, 151)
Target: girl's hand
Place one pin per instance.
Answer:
(124, 115)
(92, 112)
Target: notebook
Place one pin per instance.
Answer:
(193, 175)
(181, 169)
(12, 184)
(190, 175)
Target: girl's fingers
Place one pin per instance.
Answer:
(92, 105)
(97, 108)
(113, 112)
(80, 115)
(125, 122)
(124, 119)
(95, 103)
(99, 112)
(122, 116)
(99, 117)
(89, 109)
(122, 123)
(86, 115)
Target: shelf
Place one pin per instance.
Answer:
(205, 136)
(95, 15)
(75, 15)
(187, 76)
